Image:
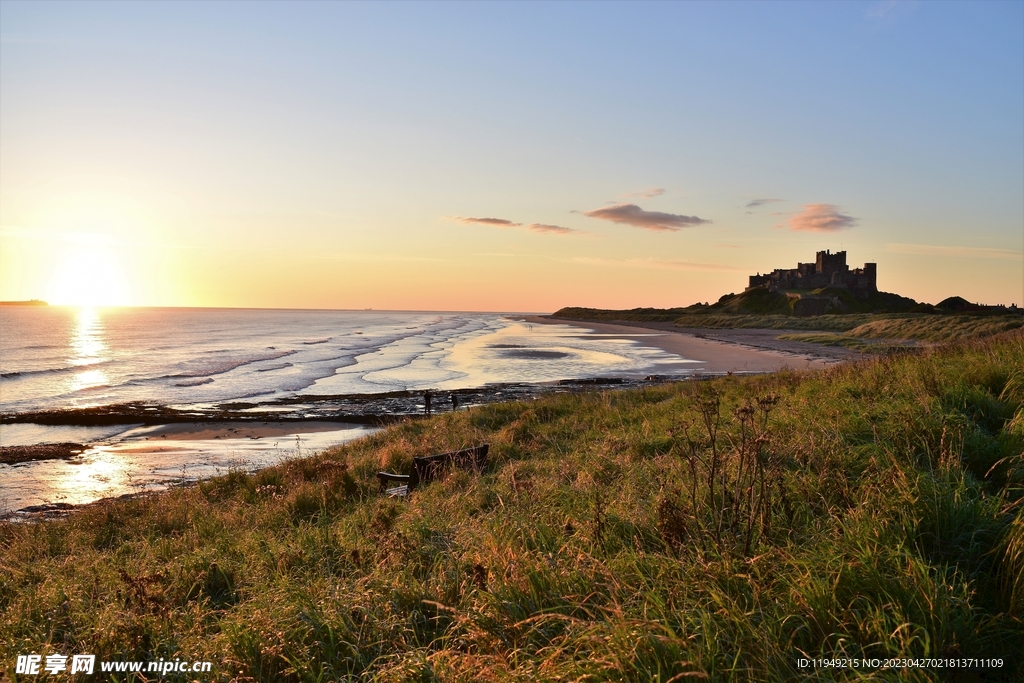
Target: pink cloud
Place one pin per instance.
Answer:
(647, 194)
(554, 229)
(504, 223)
(631, 214)
(821, 218)
(501, 222)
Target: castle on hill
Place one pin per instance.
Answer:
(828, 270)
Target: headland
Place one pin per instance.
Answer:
(820, 303)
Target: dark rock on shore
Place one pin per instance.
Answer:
(10, 455)
(367, 409)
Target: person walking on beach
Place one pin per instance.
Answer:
(426, 402)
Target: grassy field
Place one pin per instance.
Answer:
(871, 336)
(931, 327)
(936, 328)
(717, 530)
(823, 323)
(848, 342)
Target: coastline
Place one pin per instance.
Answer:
(160, 442)
(718, 351)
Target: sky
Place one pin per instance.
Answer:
(505, 156)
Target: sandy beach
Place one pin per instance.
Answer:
(751, 351)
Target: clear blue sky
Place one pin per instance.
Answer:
(341, 154)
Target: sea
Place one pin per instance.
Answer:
(82, 359)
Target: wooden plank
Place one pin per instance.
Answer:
(428, 467)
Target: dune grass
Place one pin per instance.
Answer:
(929, 327)
(903, 328)
(896, 326)
(824, 323)
(716, 529)
(937, 328)
(844, 341)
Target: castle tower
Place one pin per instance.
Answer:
(871, 274)
(828, 263)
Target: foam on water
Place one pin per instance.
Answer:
(56, 358)
(544, 353)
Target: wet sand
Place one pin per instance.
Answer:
(715, 355)
(202, 431)
(153, 458)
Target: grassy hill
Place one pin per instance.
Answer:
(719, 529)
(882, 316)
(757, 301)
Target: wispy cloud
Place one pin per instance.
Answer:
(555, 229)
(969, 252)
(761, 202)
(505, 223)
(645, 194)
(355, 256)
(631, 214)
(500, 222)
(821, 218)
(653, 263)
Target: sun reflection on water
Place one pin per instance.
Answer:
(99, 473)
(87, 345)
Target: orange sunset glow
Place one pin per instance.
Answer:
(380, 172)
(90, 276)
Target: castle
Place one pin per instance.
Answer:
(828, 270)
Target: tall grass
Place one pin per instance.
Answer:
(891, 330)
(713, 530)
(938, 327)
(855, 326)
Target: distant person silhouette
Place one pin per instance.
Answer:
(426, 402)
(455, 402)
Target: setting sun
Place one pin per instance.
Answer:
(89, 276)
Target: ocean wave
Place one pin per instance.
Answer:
(226, 365)
(280, 366)
(194, 383)
(254, 394)
(45, 371)
(179, 356)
